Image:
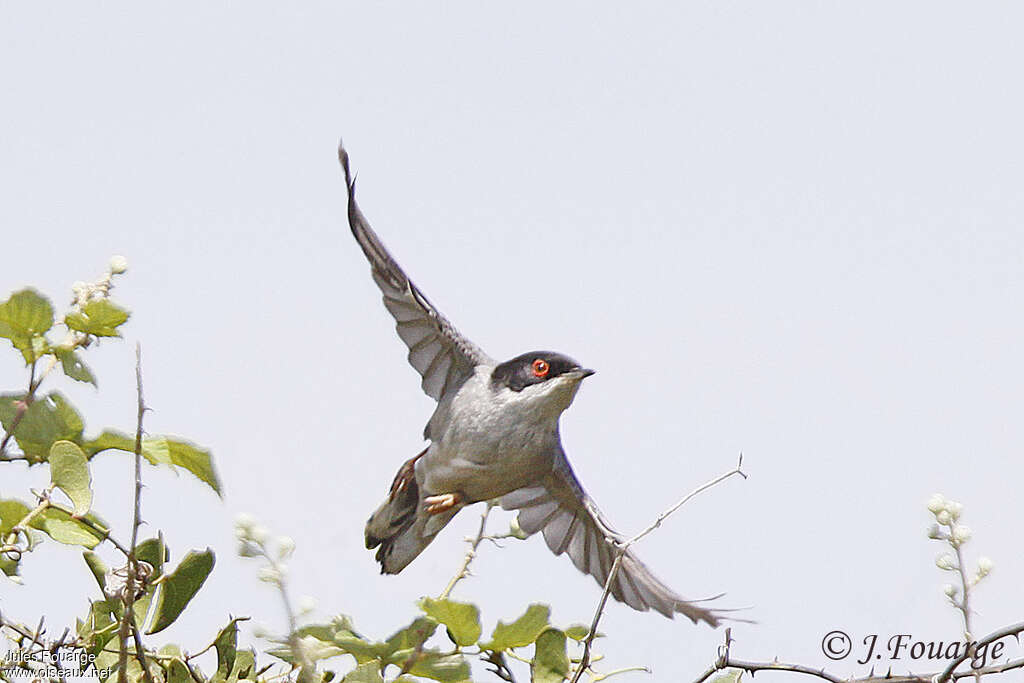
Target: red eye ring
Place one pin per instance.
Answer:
(541, 367)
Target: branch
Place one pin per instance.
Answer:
(947, 673)
(105, 533)
(726, 661)
(501, 668)
(128, 624)
(623, 547)
(20, 411)
(474, 543)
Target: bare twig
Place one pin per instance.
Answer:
(625, 670)
(128, 625)
(623, 547)
(501, 668)
(474, 543)
(105, 534)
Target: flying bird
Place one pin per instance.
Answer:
(493, 436)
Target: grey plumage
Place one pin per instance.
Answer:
(493, 435)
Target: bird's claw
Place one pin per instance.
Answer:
(442, 503)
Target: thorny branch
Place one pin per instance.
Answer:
(725, 660)
(128, 625)
(623, 547)
(474, 543)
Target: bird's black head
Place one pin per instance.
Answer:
(533, 368)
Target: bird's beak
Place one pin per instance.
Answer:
(584, 372)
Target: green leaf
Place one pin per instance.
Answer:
(341, 635)
(11, 512)
(69, 471)
(47, 420)
(365, 673)
(108, 440)
(314, 651)
(245, 667)
(61, 526)
(578, 632)
(177, 672)
(154, 551)
(520, 632)
(73, 366)
(196, 460)
(339, 626)
(550, 662)
(169, 650)
(154, 449)
(412, 636)
(362, 650)
(450, 668)
(100, 318)
(24, 319)
(98, 568)
(461, 618)
(179, 587)
(226, 644)
(161, 450)
(106, 662)
(99, 626)
(730, 676)
(26, 312)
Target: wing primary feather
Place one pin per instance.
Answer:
(411, 308)
(572, 523)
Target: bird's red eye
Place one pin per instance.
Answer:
(540, 367)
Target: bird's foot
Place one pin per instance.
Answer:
(443, 503)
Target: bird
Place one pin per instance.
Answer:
(494, 436)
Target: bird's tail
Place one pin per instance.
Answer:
(400, 526)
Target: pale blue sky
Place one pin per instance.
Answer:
(791, 229)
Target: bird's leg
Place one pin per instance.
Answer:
(406, 474)
(443, 503)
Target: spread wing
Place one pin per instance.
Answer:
(572, 524)
(442, 356)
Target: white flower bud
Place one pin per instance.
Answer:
(944, 517)
(244, 521)
(118, 264)
(950, 590)
(954, 509)
(306, 604)
(285, 547)
(248, 549)
(935, 503)
(961, 534)
(984, 566)
(269, 575)
(945, 562)
(259, 534)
